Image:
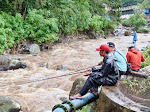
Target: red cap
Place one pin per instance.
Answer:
(103, 47)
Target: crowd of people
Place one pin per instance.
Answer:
(114, 65)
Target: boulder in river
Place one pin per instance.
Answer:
(8, 62)
(9, 105)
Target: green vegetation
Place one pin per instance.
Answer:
(146, 55)
(143, 30)
(138, 86)
(114, 12)
(127, 33)
(137, 21)
(131, 2)
(85, 109)
(45, 21)
(145, 4)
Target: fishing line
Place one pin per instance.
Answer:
(71, 73)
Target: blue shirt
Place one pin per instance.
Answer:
(121, 60)
(134, 37)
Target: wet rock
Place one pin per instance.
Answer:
(30, 49)
(25, 49)
(44, 46)
(8, 62)
(145, 70)
(9, 105)
(15, 64)
(77, 86)
(34, 49)
(44, 65)
(62, 67)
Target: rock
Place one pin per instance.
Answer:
(146, 70)
(8, 62)
(77, 86)
(62, 67)
(15, 64)
(30, 49)
(34, 49)
(112, 100)
(127, 33)
(9, 105)
(44, 65)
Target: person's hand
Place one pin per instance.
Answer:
(87, 73)
(89, 69)
(100, 63)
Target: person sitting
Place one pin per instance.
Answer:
(134, 57)
(120, 58)
(107, 74)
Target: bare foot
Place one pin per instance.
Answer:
(95, 93)
(77, 96)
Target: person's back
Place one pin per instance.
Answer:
(121, 60)
(135, 57)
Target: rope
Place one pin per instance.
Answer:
(72, 73)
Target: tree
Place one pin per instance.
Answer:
(145, 4)
(115, 6)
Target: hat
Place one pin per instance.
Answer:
(130, 47)
(103, 47)
(111, 44)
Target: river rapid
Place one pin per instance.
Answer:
(41, 96)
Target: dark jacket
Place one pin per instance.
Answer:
(109, 70)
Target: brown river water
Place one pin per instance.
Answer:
(41, 96)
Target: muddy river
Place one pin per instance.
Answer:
(41, 96)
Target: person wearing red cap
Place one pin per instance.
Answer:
(107, 74)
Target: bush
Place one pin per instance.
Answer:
(39, 29)
(11, 30)
(127, 33)
(143, 30)
(55, 17)
(135, 21)
(146, 55)
(126, 23)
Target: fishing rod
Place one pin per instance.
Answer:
(71, 73)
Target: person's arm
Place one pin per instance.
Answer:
(142, 58)
(96, 69)
(106, 68)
